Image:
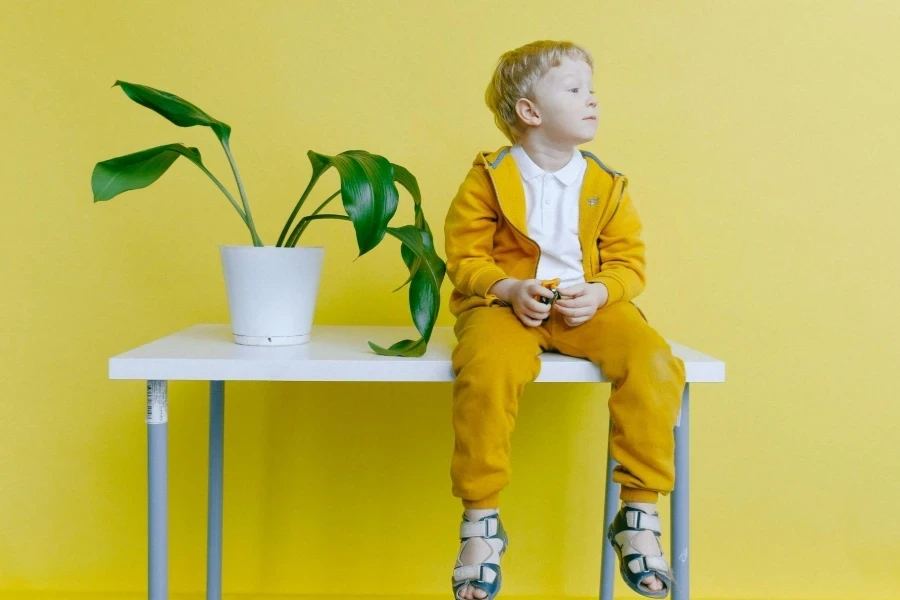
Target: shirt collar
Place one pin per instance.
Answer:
(529, 170)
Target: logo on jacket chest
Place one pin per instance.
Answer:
(592, 200)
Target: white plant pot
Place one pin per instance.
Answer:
(272, 292)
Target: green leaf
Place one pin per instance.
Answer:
(427, 273)
(185, 114)
(368, 192)
(425, 291)
(408, 180)
(177, 110)
(405, 348)
(133, 171)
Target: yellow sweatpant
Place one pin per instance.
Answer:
(496, 355)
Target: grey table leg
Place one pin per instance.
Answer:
(214, 514)
(157, 453)
(681, 503)
(610, 508)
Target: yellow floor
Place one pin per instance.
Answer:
(201, 596)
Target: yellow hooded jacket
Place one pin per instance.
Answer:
(486, 236)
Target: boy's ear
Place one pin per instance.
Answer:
(527, 112)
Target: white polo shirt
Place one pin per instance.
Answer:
(551, 208)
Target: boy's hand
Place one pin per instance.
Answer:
(519, 294)
(581, 301)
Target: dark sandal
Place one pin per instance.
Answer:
(635, 567)
(485, 575)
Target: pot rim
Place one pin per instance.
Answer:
(271, 247)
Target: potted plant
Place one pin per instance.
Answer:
(272, 290)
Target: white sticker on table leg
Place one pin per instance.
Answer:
(157, 403)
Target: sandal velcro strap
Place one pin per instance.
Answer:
(482, 572)
(638, 519)
(635, 567)
(485, 528)
(485, 575)
(648, 563)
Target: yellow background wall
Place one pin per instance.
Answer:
(761, 142)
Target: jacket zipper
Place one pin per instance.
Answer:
(536, 245)
(615, 210)
(618, 202)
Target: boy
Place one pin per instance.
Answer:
(526, 217)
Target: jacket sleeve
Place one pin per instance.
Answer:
(622, 262)
(469, 236)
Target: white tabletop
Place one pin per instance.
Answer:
(340, 353)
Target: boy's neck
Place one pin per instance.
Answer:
(549, 157)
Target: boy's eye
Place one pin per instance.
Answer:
(574, 90)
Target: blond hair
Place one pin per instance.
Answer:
(516, 73)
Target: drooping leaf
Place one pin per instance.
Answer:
(424, 293)
(408, 180)
(174, 108)
(368, 192)
(427, 270)
(140, 169)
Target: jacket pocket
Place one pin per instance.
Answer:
(493, 300)
(639, 310)
(480, 301)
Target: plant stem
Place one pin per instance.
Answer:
(293, 239)
(301, 227)
(224, 191)
(237, 176)
(300, 202)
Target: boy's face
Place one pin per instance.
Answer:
(565, 109)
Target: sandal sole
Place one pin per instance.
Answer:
(610, 537)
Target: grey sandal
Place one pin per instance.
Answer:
(485, 575)
(635, 567)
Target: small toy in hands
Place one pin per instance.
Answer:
(552, 285)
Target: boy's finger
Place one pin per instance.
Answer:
(573, 303)
(573, 291)
(530, 321)
(534, 314)
(572, 312)
(536, 288)
(536, 306)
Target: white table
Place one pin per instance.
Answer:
(207, 352)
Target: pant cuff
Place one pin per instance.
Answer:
(627, 494)
(492, 501)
